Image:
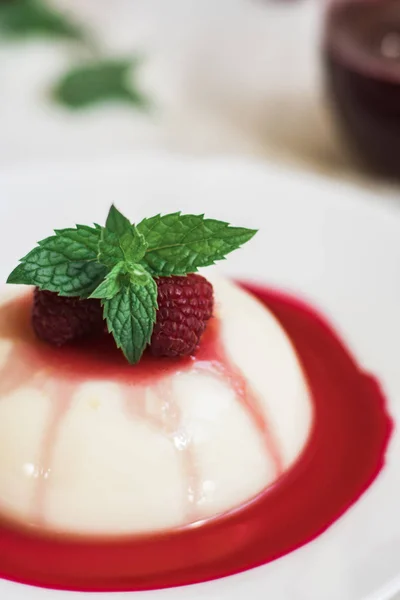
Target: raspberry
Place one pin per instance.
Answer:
(184, 306)
(59, 320)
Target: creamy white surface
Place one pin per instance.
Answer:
(114, 472)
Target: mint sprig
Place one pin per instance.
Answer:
(131, 315)
(120, 241)
(65, 263)
(111, 284)
(117, 264)
(107, 80)
(180, 244)
(21, 18)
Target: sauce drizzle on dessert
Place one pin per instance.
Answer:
(54, 371)
(344, 455)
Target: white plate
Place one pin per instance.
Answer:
(333, 244)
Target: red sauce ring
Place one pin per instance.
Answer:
(344, 455)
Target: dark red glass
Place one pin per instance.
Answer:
(362, 57)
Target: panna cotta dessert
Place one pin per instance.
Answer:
(162, 427)
(95, 454)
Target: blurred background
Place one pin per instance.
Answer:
(307, 83)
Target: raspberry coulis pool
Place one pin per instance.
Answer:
(343, 456)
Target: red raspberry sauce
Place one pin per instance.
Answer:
(344, 455)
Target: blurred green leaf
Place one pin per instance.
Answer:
(20, 18)
(108, 80)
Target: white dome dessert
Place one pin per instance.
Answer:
(106, 457)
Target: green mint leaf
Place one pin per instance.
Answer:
(104, 81)
(117, 277)
(117, 222)
(133, 245)
(138, 274)
(110, 251)
(79, 243)
(111, 284)
(50, 270)
(18, 276)
(180, 244)
(120, 241)
(130, 317)
(65, 263)
(34, 18)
